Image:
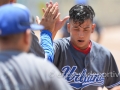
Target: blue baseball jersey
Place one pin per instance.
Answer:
(85, 72)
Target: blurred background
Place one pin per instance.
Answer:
(107, 19)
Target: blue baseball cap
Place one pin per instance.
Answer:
(15, 18)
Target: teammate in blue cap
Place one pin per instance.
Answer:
(18, 69)
(35, 47)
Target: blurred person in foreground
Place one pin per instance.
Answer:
(85, 64)
(35, 44)
(20, 70)
(35, 47)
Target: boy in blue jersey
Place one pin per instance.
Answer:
(84, 63)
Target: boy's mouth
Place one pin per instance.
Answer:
(80, 40)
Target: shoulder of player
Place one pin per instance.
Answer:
(36, 63)
(30, 57)
(44, 66)
(62, 41)
(27, 59)
(100, 48)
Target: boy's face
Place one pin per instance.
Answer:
(80, 34)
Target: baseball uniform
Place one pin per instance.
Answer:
(85, 71)
(22, 71)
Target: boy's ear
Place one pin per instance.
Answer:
(93, 27)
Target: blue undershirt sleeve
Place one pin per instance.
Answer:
(47, 44)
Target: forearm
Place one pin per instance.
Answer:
(53, 35)
(47, 44)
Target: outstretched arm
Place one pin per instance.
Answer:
(48, 34)
(48, 20)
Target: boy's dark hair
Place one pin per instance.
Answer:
(80, 13)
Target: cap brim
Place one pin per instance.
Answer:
(36, 27)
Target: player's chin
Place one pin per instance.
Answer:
(80, 45)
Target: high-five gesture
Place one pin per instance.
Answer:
(52, 16)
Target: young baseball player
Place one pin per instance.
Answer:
(85, 64)
(18, 69)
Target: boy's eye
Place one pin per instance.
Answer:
(85, 30)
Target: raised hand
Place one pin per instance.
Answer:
(58, 23)
(49, 18)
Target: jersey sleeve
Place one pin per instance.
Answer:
(113, 75)
(47, 44)
(35, 47)
(57, 52)
(60, 50)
